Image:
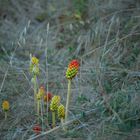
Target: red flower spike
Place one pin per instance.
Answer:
(74, 64)
(48, 96)
(72, 69)
(37, 129)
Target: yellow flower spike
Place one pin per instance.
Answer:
(34, 65)
(34, 60)
(53, 107)
(61, 114)
(61, 111)
(42, 91)
(5, 107)
(55, 103)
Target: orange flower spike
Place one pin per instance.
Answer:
(5, 105)
(48, 96)
(72, 69)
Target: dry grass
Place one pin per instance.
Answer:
(106, 42)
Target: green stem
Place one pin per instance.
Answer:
(68, 99)
(38, 107)
(42, 104)
(53, 119)
(35, 91)
(62, 122)
(5, 115)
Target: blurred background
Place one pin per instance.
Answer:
(104, 35)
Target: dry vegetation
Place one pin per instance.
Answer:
(104, 35)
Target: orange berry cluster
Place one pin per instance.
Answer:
(72, 69)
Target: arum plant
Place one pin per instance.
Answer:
(71, 72)
(53, 107)
(34, 70)
(61, 114)
(5, 107)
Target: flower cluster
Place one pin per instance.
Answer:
(34, 66)
(72, 69)
(42, 97)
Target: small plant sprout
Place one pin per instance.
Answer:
(5, 107)
(34, 70)
(53, 107)
(61, 114)
(71, 72)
